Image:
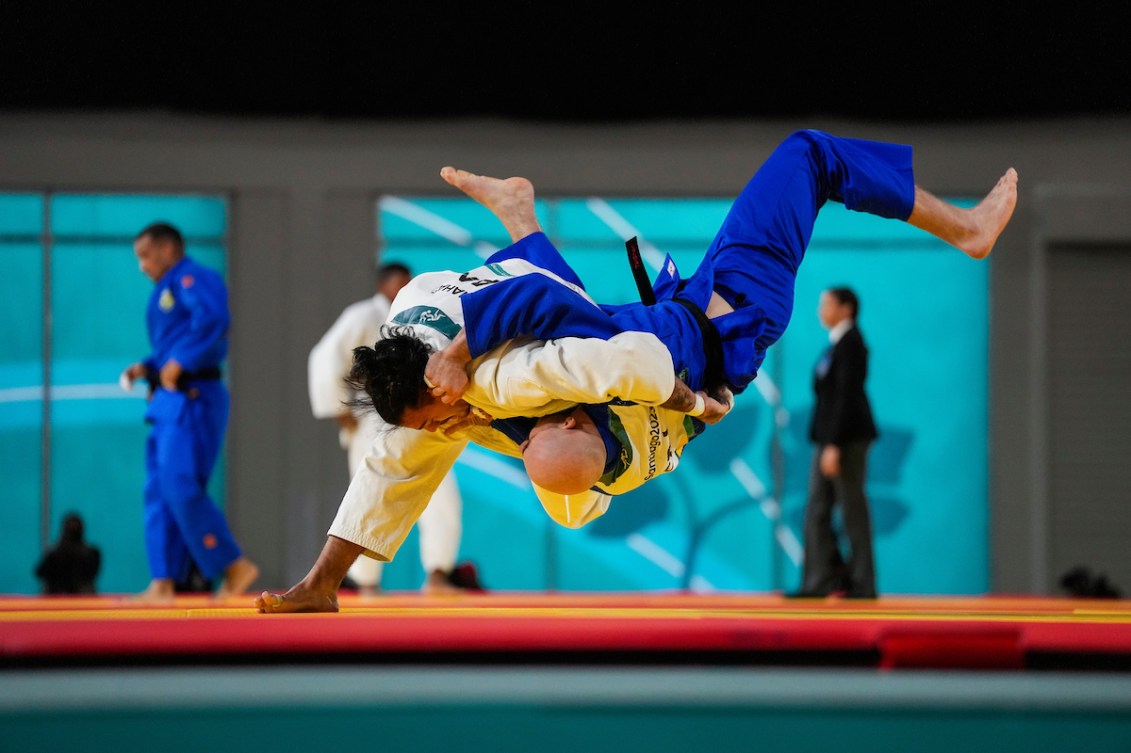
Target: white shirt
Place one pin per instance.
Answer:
(331, 359)
(839, 330)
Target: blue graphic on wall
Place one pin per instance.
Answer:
(730, 518)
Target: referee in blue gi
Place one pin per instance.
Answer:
(187, 320)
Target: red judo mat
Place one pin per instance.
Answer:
(1009, 633)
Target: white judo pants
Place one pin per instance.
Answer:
(439, 527)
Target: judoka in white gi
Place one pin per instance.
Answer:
(328, 367)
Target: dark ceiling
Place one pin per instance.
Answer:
(585, 61)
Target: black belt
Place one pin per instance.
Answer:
(210, 372)
(714, 375)
(647, 295)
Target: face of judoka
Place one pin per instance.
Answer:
(155, 258)
(432, 414)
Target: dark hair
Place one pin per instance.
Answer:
(391, 373)
(163, 232)
(385, 271)
(846, 296)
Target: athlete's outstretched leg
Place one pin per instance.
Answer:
(774, 214)
(756, 254)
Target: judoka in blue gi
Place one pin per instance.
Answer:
(716, 325)
(187, 320)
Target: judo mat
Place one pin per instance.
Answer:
(631, 628)
(566, 672)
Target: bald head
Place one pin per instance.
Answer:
(564, 453)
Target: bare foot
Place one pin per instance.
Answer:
(299, 599)
(991, 215)
(159, 592)
(511, 200)
(237, 578)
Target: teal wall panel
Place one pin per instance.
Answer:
(122, 216)
(21, 396)
(21, 214)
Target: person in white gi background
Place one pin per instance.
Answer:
(440, 526)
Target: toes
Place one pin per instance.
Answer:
(268, 601)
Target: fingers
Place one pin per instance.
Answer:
(436, 390)
(447, 390)
(716, 409)
(474, 417)
(446, 380)
(726, 397)
(445, 397)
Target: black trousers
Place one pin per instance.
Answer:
(826, 568)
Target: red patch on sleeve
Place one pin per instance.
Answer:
(187, 281)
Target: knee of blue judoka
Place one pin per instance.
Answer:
(180, 486)
(807, 136)
(151, 490)
(811, 140)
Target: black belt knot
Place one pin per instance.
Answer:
(209, 372)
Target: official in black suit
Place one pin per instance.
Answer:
(842, 430)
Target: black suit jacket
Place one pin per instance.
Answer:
(842, 413)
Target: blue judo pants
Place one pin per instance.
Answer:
(755, 256)
(181, 520)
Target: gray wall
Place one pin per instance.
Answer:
(302, 227)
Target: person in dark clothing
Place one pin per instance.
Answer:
(70, 566)
(842, 430)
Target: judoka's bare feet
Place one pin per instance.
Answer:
(991, 215)
(298, 599)
(973, 231)
(511, 200)
(159, 592)
(238, 577)
(318, 591)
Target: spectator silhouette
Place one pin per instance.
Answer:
(70, 566)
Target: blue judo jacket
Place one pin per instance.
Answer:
(188, 318)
